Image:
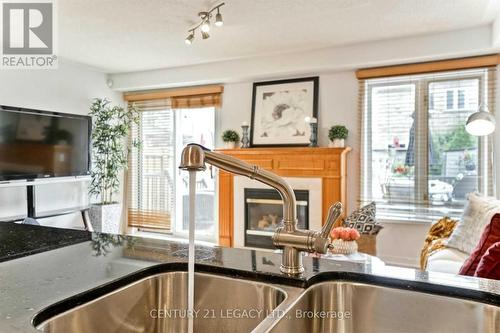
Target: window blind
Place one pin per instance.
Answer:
(151, 170)
(417, 160)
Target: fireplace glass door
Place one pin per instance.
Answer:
(264, 213)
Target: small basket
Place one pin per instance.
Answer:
(343, 247)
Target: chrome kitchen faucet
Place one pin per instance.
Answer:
(287, 237)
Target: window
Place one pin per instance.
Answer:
(157, 189)
(461, 99)
(449, 99)
(418, 162)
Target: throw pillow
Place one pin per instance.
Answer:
(489, 266)
(363, 219)
(491, 235)
(477, 214)
(436, 239)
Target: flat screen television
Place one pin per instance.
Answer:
(42, 144)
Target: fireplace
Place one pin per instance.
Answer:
(264, 212)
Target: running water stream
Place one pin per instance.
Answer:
(192, 200)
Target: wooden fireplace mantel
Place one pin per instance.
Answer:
(329, 164)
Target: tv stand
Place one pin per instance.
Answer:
(31, 209)
(31, 202)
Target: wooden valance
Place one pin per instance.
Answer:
(429, 67)
(197, 96)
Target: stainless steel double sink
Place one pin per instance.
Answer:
(158, 304)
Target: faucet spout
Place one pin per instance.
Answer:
(194, 156)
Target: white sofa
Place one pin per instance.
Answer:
(447, 260)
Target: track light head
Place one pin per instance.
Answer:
(205, 26)
(190, 38)
(205, 34)
(218, 19)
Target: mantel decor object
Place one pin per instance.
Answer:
(230, 138)
(337, 135)
(279, 109)
(313, 139)
(245, 140)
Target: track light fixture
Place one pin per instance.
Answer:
(204, 23)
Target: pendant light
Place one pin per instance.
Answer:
(480, 123)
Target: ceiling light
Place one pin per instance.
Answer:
(218, 19)
(190, 38)
(204, 24)
(480, 123)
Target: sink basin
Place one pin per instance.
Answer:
(158, 304)
(373, 309)
(355, 307)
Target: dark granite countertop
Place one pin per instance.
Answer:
(19, 240)
(77, 273)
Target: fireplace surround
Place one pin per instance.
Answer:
(322, 169)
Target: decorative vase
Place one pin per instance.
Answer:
(314, 135)
(229, 145)
(106, 218)
(245, 141)
(344, 247)
(337, 143)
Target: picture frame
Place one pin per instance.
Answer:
(279, 109)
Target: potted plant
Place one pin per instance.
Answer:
(344, 240)
(110, 148)
(230, 138)
(337, 136)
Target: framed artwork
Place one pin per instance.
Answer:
(279, 109)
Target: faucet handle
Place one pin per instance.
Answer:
(322, 240)
(333, 214)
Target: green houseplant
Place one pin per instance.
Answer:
(110, 148)
(337, 135)
(230, 137)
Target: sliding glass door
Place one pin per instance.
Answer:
(157, 189)
(196, 126)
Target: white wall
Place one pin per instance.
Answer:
(68, 89)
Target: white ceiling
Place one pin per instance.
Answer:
(133, 35)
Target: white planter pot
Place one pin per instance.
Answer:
(106, 218)
(229, 145)
(344, 247)
(337, 143)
